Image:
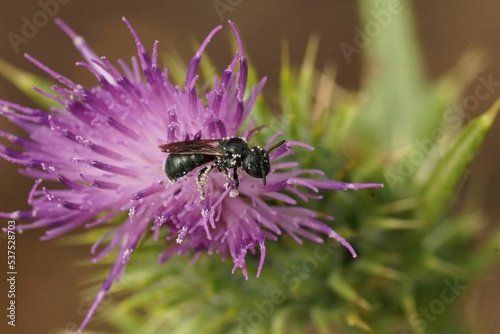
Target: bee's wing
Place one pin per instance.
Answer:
(205, 146)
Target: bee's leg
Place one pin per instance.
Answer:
(202, 181)
(234, 192)
(224, 171)
(235, 178)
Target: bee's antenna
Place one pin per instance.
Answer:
(275, 146)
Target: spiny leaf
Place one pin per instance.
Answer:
(355, 320)
(321, 319)
(306, 78)
(337, 127)
(451, 168)
(408, 300)
(338, 284)
(378, 269)
(448, 89)
(396, 84)
(296, 91)
(279, 321)
(486, 256)
(24, 81)
(176, 67)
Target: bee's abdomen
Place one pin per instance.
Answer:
(178, 165)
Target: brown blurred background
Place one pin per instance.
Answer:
(48, 282)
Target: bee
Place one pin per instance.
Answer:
(227, 155)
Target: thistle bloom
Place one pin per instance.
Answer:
(101, 143)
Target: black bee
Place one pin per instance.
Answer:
(227, 154)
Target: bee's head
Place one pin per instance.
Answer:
(256, 162)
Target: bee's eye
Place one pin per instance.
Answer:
(256, 163)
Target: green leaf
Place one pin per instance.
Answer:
(337, 128)
(24, 81)
(449, 171)
(395, 82)
(355, 320)
(279, 321)
(343, 288)
(449, 89)
(486, 256)
(296, 91)
(321, 319)
(306, 78)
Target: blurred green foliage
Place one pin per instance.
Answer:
(399, 129)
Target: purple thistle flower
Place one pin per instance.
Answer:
(102, 143)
